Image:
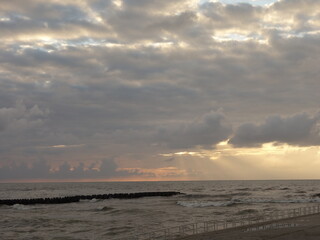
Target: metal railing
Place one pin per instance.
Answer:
(216, 225)
(275, 225)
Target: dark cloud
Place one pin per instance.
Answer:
(205, 132)
(295, 5)
(20, 118)
(42, 170)
(226, 16)
(152, 5)
(300, 129)
(21, 126)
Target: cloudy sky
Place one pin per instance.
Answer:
(159, 90)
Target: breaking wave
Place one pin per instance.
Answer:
(20, 207)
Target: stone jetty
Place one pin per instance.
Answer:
(70, 199)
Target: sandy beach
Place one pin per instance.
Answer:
(298, 228)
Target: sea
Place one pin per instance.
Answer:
(121, 218)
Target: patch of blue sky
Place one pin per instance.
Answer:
(80, 42)
(252, 2)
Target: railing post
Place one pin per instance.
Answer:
(300, 211)
(165, 234)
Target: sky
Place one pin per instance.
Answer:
(149, 90)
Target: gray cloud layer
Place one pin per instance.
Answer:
(205, 132)
(300, 129)
(144, 77)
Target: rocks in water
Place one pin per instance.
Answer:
(316, 195)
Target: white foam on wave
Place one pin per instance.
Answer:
(104, 208)
(20, 207)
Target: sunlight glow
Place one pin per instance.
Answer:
(239, 38)
(156, 172)
(5, 19)
(118, 3)
(59, 146)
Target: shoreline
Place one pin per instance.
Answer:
(301, 227)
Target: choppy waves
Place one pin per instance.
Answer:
(225, 195)
(196, 204)
(94, 218)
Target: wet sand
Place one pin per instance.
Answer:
(298, 228)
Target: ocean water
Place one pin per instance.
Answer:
(116, 219)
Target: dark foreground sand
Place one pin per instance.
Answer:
(299, 228)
